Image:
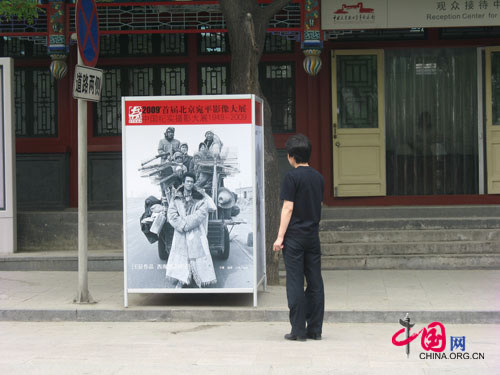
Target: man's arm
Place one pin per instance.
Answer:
(160, 147)
(286, 215)
(174, 218)
(197, 217)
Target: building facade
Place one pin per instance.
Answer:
(401, 102)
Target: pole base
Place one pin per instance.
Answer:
(84, 298)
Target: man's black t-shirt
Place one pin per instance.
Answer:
(304, 187)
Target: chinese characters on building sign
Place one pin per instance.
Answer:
(467, 5)
(87, 84)
(483, 12)
(371, 14)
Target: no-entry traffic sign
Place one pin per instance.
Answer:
(87, 31)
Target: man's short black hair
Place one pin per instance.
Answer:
(299, 147)
(189, 174)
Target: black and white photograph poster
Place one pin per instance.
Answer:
(193, 194)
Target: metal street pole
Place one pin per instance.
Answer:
(83, 295)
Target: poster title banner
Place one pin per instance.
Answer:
(389, 14)
(188, 112)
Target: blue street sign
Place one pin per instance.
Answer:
(87, 31)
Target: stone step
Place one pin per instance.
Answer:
(409, 261)
(409, 224)
(106, 260)
(57, 230)
(409, 212)
(113, 261)
(402, 236)
(473, 248)
(413, 261)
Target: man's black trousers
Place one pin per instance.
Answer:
(303, 258)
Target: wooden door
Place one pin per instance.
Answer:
(358, 123)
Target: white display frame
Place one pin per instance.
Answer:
(8, 229)
(256, 124)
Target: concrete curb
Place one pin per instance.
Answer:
(58, 263)
(243, 315)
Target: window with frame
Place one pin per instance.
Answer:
(213, 43)
(143, 45)
(35, 102)
(277, 81)
(20, 48)
(278, 44)
(213, 79)
(134, 81)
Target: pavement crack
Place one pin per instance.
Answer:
(19, 281)
(197, 328)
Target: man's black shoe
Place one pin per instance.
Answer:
(291, 336)
(314, 336)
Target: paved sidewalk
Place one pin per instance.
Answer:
(234, 348)
(355, 296)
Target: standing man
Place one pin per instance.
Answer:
(190, 259)
(169, 144)
(298, 237)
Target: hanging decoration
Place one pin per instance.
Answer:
(57, 47)
(312, 62)
(312, 37)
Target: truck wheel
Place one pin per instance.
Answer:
(163, 243)
(227, 245)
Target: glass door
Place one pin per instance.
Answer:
(493, 119)
(432, 121)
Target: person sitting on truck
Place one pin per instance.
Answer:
(186, 158)
(213, 143)
(168, 144)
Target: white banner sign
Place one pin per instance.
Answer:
(8, 241)
(390, 14)
(2, 153)
(87, 84)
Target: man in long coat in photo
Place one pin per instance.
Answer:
(190, 257)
